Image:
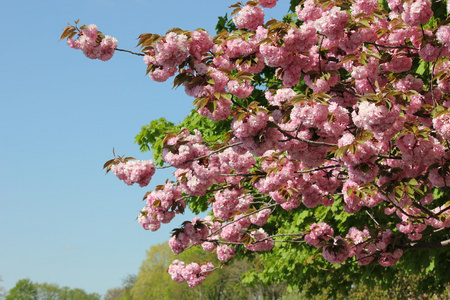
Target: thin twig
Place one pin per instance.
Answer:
(424, 209)
(427, 245)
(213, 152)
(370, 215)
(128, 51)
(317, 169)
(244, 216)
(305, 141)
(389, 157)
(392, 47)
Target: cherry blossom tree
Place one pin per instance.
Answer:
(325, 147)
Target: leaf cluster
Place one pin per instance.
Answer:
(152, 136)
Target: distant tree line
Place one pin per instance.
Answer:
(25, 289)
(153, 282)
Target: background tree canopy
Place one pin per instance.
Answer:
(25, 289)
(153, 282)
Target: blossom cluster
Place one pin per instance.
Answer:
(161, 207)
(93, 44)
(357, 243)
(135, 171)
(193, 273)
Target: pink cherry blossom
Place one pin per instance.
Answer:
(337, 252)
(249, 17)
(268, 3)
(135, 171)
(319, 234)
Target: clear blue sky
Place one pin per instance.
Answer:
(61, 219)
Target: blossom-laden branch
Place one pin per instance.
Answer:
(358, 119)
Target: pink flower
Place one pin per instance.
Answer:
(361, 247)
(175, 270)
(208, 246)
(178, 244)
(388, 259)
(275, 56)
(172, 51)
(225, 252)
(267, 140)
(135, 171)
(370, 70)
(162, 74)
(90, 31)
(249, 17)
(437, 179)
(93, 45)
(193, 273)
(221, 112)
(240, 89)
(253, 68)
(337, 252)
(429, 52)
(442, 125)
(417, 12)
(310, 11)
(364, 6)
(332, 23)
(310, 114)
(301, 39)
(226, 202)
(283, 95)
(240, 47)
(231, 232)
(376, 118)
(268, 3)
(409, 83)
(148, 221)
(398, 64)
(261, 217)
(107, 48)
(241, 162)
(319, 233)
(250, 124)
(201, 43)
(262, 242)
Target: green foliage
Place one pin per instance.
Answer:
(225, 24)
(152, 135)
(153, 281)
(124, 292)
(267, 274)
(115, 293)
(25, 289)
(304, 267)
(440, 13)
(294, 4)
(2, 290)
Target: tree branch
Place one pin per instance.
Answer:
(244, 216)
(214, 152)
(427, 245)
(128, 51)
(289, 136)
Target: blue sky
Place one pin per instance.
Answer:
(61, 219)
